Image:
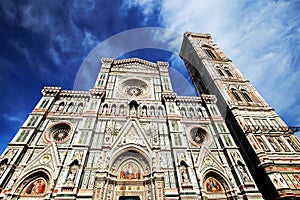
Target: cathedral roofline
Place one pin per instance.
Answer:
(130, 61)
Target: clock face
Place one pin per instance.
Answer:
(58, 132)
(134, 87)
(198, 135)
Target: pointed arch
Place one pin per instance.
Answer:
(214, 183)
(130, 154)
(234, 92)
(33, 184)
(60, 106)
(246, 95)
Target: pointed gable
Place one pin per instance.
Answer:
(48, 158)
(132, 134)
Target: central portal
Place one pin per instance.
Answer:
(129, 198)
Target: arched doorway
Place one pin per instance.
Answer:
(128, 177)
(216, 186)
(34, 185)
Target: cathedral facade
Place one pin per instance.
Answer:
(131, 137)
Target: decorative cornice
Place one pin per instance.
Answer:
(209, 98)
(107, 60)
(186, 99)
(97, 94)
(131, 61)
(73, 94)
(169, 96)
(51, 91)
(163, 65)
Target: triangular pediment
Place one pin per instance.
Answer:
(48, 159)
(134, 65)
(206, 159)
(132, 134)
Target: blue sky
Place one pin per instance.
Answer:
(51, 43)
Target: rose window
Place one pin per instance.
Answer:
(133, 90)
(134, 87)
(198, 135)
(58, 133)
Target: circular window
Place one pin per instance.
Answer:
(198, 135)
(58, 132)
(134, 87)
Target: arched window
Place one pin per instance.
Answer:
(161, 111)
(262, 144)
(228, 73)
(133, 105)
(274, 145)
(283, 145)
(122, 110)
(35, 185)
(236, 95)
(246, 96)
(60, 106)
(144, 111)
(210, 53)
(104, 109)
(113, 109)
(192, 112)
(152, 111)
(70, 107)
(183, 112)
(80, 107)
(220, 72)
(295, 147)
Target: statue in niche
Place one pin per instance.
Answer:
(60, 107)
(160, 111)
(183, 112)
(144, 111)
(184, 174)
(122, 111)
(132, 110)
(155, 137)
(3, 167)
(113, 110)
(72, 173)
(104, 109)
(241, 168)
(152, 111)
(243, 172)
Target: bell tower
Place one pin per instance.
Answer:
(269, 148)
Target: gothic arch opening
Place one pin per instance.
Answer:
(34, 185)
(130, 175)
(215, 186)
